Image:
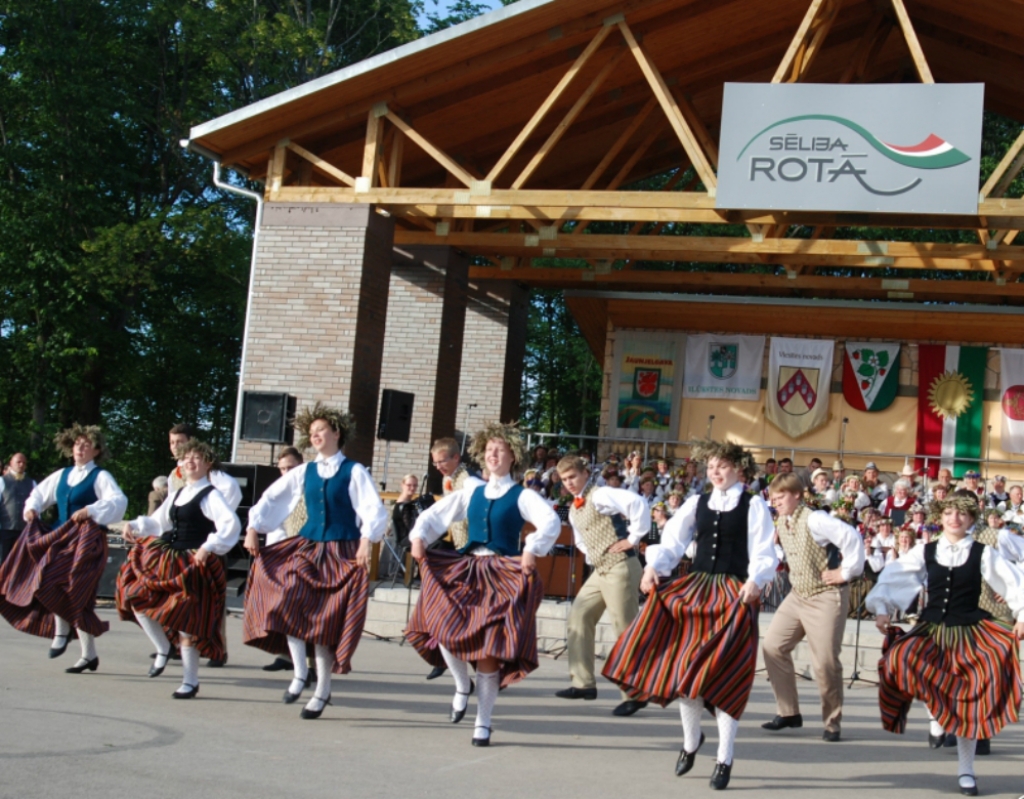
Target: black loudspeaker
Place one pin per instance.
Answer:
(117, 554)
(253, 479)
(395, 415)
(265, 417)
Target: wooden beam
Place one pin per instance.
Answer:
(275, 171)
(812, 32)
(549, 102)
(567, 120)
(620, 143)
(319, 163)
(697, 126)
(1006, 171)
(395, 158)
(924, 72)
(786, 65)
(671, 109)
(434, 152)
(371, 146)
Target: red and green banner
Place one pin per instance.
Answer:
(871, 375)
(951, 381)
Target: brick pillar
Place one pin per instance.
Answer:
(319, 305)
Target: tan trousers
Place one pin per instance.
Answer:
(821, 620)
(619, 592)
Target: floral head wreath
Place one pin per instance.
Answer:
(705, 449)
(496, 431)
(65, 440)
(204, 450)
(340, 422)
(963, 504)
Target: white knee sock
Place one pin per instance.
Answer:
(88, 643)
(297, 650)
(324, 664)
(965, 750)
(189, 667)
(155, 632)
(61, 633)
(487, 695)
(460, 671)
(727, 729)
(689, 714)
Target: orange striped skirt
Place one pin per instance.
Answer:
(969, 677)
(693, 638)
(180, 595)
(477, 607)
(54, 573)
(312, 590)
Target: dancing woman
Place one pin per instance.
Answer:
(312, 589)
(173, 582)
(696, 638)
(958, 660)
(482, 609)
(48, 583)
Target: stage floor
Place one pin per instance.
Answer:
(117, 733)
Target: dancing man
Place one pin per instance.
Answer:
(312, 589)
(696, 638)
(483, 609)
(823, 554)
(48, 583)
(598, 518)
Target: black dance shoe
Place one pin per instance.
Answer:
(482, 741)
(685, 761)
(279, 664)
(720, 776)
(457, 715)
(436, 672)
(217, 663)
(310, 677)
(937, 741)
(175, 655)
(57, 651)
(970, 789)
(189, 693)
(577, 693)
(315, 714)
(84, 665)
(781, 722)
(832, 736)
(629, 707)
(984, 746)
(156, 671)
(289, 698)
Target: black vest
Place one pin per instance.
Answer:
(191, 527)
(722, 539)
(953, 593)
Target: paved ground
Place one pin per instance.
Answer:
(118, 734)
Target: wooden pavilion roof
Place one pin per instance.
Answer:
(511, 135)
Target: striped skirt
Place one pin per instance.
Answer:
(311, 590)
(693, 638)
(968, 677)
(180, 595)
(476, 608)
(54, 573)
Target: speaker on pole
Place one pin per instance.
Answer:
(395, 415)
(265, 417)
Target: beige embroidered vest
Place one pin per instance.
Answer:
(806, 559)
(296, 519)
(987, 600)
(598, 533)
(459, 531)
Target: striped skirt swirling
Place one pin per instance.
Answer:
(693, 638)
(54, 573)
(476, 608)
(968, 677)
(182, 596)
(312, 590)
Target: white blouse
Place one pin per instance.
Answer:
(214, 507)
(826, 529)
(110, 504)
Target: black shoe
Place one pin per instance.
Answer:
(57, 651)
(781, 722)
(315, 714)
(290, 698)
(189, 693)
(279, 664)
(971, 790)
(456, 715)
(950, 741)
(936, 741)
(832, 736)
(217, 663)
(155, 670)
(83, 665)
(629, 707)
(577, 693)
(310, 677)
(436, 672)
(720, 776)
(482, 741)
(685, 761)
(984, 747)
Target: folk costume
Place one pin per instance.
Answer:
(173, 597)
(695, 639)
(309, 590)
(48, 583)
(460, 479)
(813, 541)
(598, 518)
(483, 606)
(958, 660)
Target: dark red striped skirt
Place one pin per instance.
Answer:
(180, 595)
(693, 638)
(476, 608)
(54, 573)
(968, 677)
(311, 590)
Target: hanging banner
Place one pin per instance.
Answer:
(647, 384)
(1011, 394)
(799, 379)
(871, 375)
(950, 384)
(724, 367)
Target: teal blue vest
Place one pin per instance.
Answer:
(329, 511)
(495, 523)
(71, 499)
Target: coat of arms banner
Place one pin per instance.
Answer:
(646, 384)
(799, 382)
(724, 367)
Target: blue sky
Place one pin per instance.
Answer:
(441, 7)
